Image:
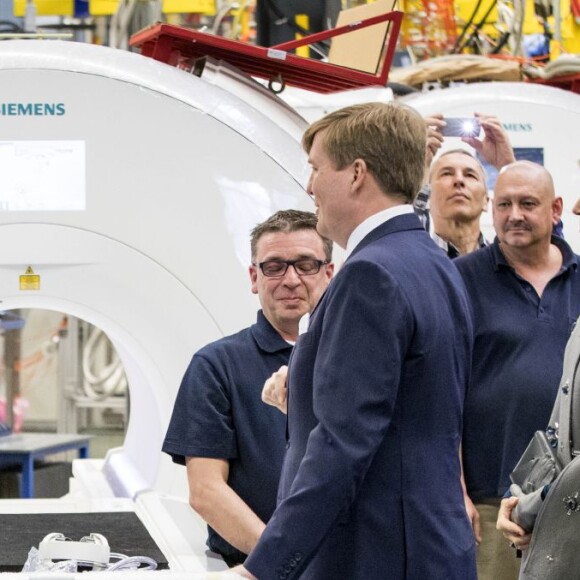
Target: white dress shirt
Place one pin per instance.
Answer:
(373, 222)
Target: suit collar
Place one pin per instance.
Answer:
(374, 221)
(399, 223)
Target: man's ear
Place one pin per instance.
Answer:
(486, 202)
(557, 207)
(253, 270)
(330, 270)
(360, 169)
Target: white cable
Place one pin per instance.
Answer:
(118, 34)
(131, 563)
(90, 552)
(110, 380)
(566, 64)
(518, 30)
(219, 17)
(95, 338)
(123, 40)
(113, 26)
(505, 17)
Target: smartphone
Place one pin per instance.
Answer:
(461, 127)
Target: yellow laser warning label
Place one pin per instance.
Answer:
(29, 280)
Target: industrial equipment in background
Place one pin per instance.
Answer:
(130, 186)
(532, 33)
(129, 190)
(48, 352)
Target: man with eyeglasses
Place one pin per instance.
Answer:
(370, 487)
(231, 443)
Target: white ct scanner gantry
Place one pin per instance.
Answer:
(129, 188)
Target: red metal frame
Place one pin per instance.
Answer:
(566, 82)
(181, 47)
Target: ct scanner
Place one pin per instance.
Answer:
(129, 187)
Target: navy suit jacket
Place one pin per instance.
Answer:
(370, 487)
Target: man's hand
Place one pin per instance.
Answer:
(495, 147)
(275, 392)
(473, 516)
(434, 140)
(240, 571)
(517, 536)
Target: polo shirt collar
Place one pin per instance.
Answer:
(266, 335)
(569, 258)
(451, 251)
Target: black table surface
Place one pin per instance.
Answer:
(124, 531)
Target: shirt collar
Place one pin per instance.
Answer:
(267, 336)
(451, 251)
(372, 222)
(569, 258)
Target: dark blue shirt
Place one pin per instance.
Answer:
(219, 414)
(517, 361)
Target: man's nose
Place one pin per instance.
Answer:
(459, 177)
(291, 278)
(515, 213)
(309, 187)
(576, 208)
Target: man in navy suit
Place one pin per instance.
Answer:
(370, 487)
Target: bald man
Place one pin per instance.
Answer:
(525, 295)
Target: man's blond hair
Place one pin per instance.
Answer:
(389, 137)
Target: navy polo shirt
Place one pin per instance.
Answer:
(517, 361)
(219, 413)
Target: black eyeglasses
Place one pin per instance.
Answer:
(303, 267)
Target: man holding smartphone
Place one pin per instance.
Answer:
(456, 186)
(455, 183)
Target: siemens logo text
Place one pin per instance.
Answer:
(32, 109)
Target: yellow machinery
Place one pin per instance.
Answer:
(46, 7)
(432, 27)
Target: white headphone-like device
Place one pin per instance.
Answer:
(91, 551)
